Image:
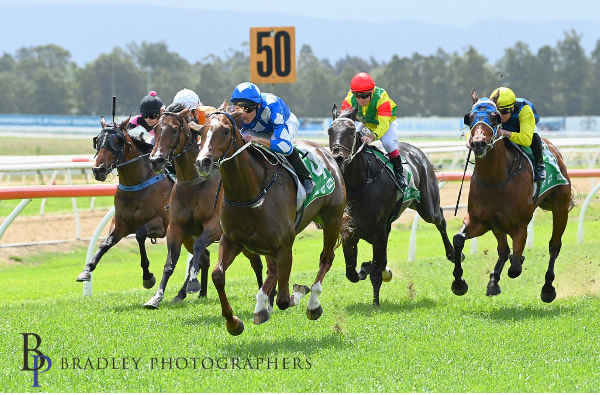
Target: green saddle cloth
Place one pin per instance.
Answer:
(553, 175)
(321, 176)
(410, 192)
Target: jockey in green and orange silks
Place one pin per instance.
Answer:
(376, 112)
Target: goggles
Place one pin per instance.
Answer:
(362, 95)
(152, 116)
(247, 108)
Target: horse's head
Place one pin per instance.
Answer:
(342, 136)
(168, 132)
(483, 121)
(110, 148)
(220, 139)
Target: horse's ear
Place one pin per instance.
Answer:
(474, 95)
(352, 115)
(123, 125)
(495, 97)
(334, 112)
(468, 119)
(102, 122)
(183, 113)
(95, 142)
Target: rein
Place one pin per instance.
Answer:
(120, 153)
(516, 167)
(188, 138)
(232, 141)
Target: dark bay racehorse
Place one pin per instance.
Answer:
(374, 201)
(259, 214)
(140, 199)
(194, 206)
(501, 199)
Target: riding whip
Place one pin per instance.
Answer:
(461, 183)
(114, 107)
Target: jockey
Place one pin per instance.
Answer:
(518, 124)
(191, 100)
(150, 109)
(264, 114)
(377, 113)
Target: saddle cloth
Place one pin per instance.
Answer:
(410, 192)
(553, 175)
(322, 178)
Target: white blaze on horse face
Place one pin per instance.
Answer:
(208, 132)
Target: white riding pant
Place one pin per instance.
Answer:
(390, 138)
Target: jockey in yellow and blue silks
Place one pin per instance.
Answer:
(268, 121)
(376, 112)
(519, 118)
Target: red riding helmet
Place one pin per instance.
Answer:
(362, 82)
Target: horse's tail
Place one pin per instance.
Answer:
(347, 228)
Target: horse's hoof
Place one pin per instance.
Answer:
(462, 256)
(152, 304)
(548, 293)
(177, 299)
(261, 317)
(202, 295)
(192, 286)
(493, 289)
(314, 314)
(301, 288)
(362, 274)
(149, 283)
(238, 329)
(514, 271)
(352, 276)
(84, 276)
(386, 275)
(459, 287)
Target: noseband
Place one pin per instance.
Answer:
(188, 138)
(231, 134)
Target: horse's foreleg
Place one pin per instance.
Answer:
(468, 230)
(379, 262)
(106, 244)
(559, 223)
(331, 231)
(350, 249)
(519, 238)
(440, 224)
(148, 279)
(264, 297)
(257, 266)
(227, 253)
(174, 242)
(503, 250)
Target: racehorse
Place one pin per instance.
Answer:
(140, 198)
(193, 206)
(502, 198)
(259, 214)
(374, 200)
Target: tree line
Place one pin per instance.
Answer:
(560, 80)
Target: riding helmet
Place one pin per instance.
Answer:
(150, 104)
(362, 82)
(187, 97)
(246, 92)
(506, 97)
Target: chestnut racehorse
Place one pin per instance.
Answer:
(374, 200)
(502, 199)
(259, 214)
(194, 206)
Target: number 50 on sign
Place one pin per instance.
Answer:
(272, 55)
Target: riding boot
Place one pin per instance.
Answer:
(301, 171)
(539, 171)
(399, 169)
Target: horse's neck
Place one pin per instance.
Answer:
(355, 172)
(185, 163)
(496, 165)
(243, 176)
(135, 171)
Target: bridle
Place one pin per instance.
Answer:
(352, 151)
(189, 142)
(232, 141)
(481, 114)
(102, 141)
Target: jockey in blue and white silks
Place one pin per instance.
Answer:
(268, 121)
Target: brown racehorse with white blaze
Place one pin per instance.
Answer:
(259, 214)
(501, 199)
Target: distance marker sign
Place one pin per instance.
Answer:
(272, 55)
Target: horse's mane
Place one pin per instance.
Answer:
(175, 107)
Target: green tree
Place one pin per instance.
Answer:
(572, 73)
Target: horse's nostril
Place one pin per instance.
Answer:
(206, 163)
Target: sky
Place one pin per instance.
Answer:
(333, 29)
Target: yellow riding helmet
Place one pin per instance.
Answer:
(506, 97)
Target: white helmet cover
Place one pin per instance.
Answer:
(187, 97)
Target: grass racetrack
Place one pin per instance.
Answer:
(422, 338)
